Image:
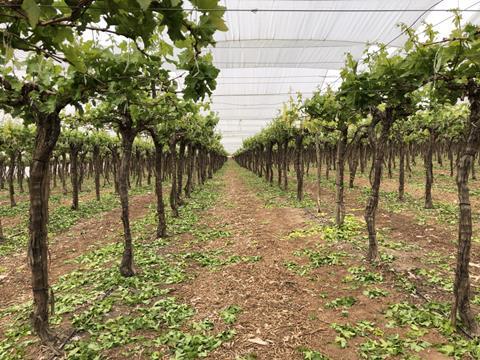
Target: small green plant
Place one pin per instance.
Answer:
(397, 245)
(405, 284)
(348, 232)
(344, 302)
(318, 259)
(361, 275)
(429, 315)
(391, 346)
(347, 331)
(305, 232)
(309, 354)
(387, 258)
(296, 268)
(192, 346)
(476, 300)
(374, 293)
(435, 278)
(205, 234)
(229, 315)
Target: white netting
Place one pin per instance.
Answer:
(300, 45)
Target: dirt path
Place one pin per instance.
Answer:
(281, 311)
(84, 236)
(264, 290)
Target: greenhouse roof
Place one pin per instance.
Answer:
(276, 48)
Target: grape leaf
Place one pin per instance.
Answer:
(33, 12)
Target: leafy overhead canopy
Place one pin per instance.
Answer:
(53, 26)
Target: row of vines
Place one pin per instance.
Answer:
(90, 90)
(390, 109)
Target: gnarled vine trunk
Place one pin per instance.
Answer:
(20, 172)
(97, 168)
(352, 165)
(339, 178)
(63, 173)
(260, 159)
(461, 290)
(318, 157)
(429, 171)
(180, 168)
(11, 178)
(386, 121)
(81, 175)
(279, 164)
(126, 265)
(2, 238)
(299, 165)
(74, 150)
(450, 157)
(115, 166)
(173, 167)
(401, 174)
(285, 165)
(48, 130)
(269, 163)
(363, 158)
(190, 169)
(161, 222)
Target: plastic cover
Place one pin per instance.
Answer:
(288, 46)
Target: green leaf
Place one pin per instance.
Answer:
(447, 349)
(144, 4)
(206, 4)
(341, 341)
(219, 23)
(8, 54)
(32, 10)
(73, 55)
(438, 61)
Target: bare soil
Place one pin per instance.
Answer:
(82, 237)
(283, 310)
